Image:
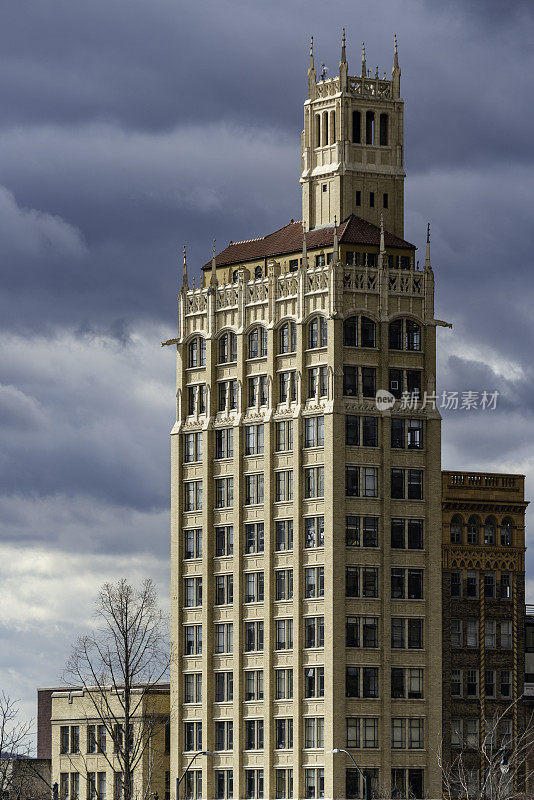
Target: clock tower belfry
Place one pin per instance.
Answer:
(352, 147)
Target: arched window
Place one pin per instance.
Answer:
(317, 130)
(369, 127)
(235, 275)
(350, 332)
(395, 335)
(384, 130)
(489, 531)
(258, 272)
(228, 347)
(197, 352)
(413, 335)
(456, 529)
(288, 337)
(317, 332)
(325, 129)
(368, 338)
(257, 342)
(472, 530)
(507, 532)
(356, 127)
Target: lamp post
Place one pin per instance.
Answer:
(179, 780)
(364, 777)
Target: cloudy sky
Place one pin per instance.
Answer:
(128, 128)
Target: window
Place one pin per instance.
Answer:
(361, 682)
(471, 633)
(197, 352)
(314, 732)
(361, 581)
(314, 582)
(313, 482)
(313, 532)
(314, 431)
(283, 486)
(254, 587)
(254, 537)
(456, 583)
(224, 735)
(196, 399)
(412, 335)
(489, 585)
(91, 738)
(506, 634)
(385, 200)
(91, 786)
(406, 683)
(456, 529)
(283, 734)
(288, 336)
(371, 199)
(368, 526)
(489, 682)
(410, 579)
(457, 683)
(283, 579)
(253, 636)
(369, 431)
(192, 736)
(284, 534)
(224, 540)
(350, 381)
(361, 632)
(253, 684)
(506, 683)
(368, 476)
(489, 531)
(407, 783)
(471, 727)
(368, 381)
(253, 440)
(283, 684)
(314, 782)
(283, 781)
(352, 258)
(456, 732)
(254, 489)
(350, 332)
(224, 637)
(257, 391)
(407, 533)
(472, 530)
(192, 447)
(362, 732)
(506, 586)
(224, 443)
(294, 264)
(368, 332)
(314, 632)
(192, 495)
(192, 640)
(383, 132)
(407, 483)
(227, 395)
(284, 436)
(490, 634)
(228, 348)
(356, 131)
(224, 687)
(457, 639)
(192, 687)
(317, 382)
(253, 783)
(63, 786)
(406, 632)
(224, 590)
(193, 592)
(193, 543)
(314, 682)
(288, 386)
(472, 683)
(415, 434)
(395, 335)
(224, 492)
(257, 342)
(224, 784)
(358, 192)
(506, 532)
(283, 634)
(258, 272)
(471, 584)
(317, 333)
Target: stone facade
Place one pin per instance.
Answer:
(306, 522)
(483, 611)
(84, 764)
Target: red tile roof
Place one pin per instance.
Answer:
(288, 239)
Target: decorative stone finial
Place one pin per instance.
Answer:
(213, 267)
(382, 236)
(427, 253)
(304, 248)
(364, 66)
(184, 278)
(395, 52)
(343, 48)
(335, 254)
(311, 53)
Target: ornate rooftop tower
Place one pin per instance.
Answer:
(352, 147)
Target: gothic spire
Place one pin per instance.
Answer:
(427, 253)
(382, 237)
(343, 48)
(335, 254)
(312, 66)
(364, 66)
(213, 280)
(396, 53)
(184, 279)
(304, 249)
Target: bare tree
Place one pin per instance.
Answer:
(119, 665)
(19, 775)
(500, 768)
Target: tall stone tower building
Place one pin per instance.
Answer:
(306, 521)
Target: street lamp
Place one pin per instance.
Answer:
(178, 781)
(364, 777)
